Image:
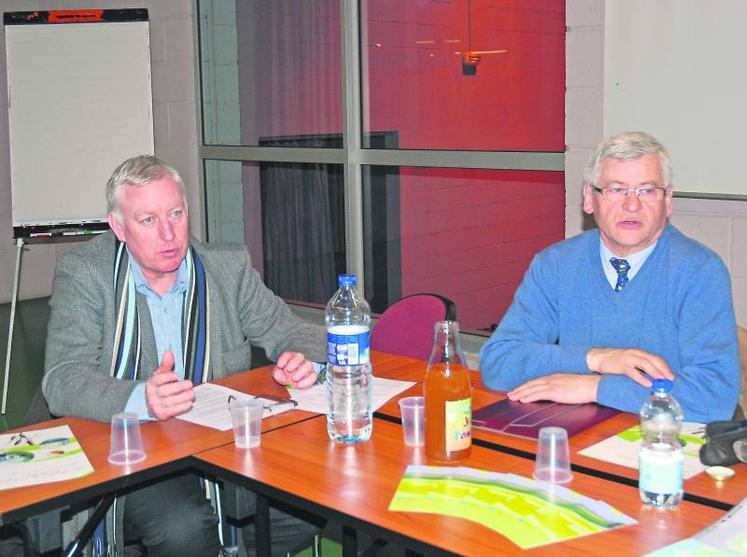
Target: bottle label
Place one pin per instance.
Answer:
(348, 345)
(660, 472)
(458, 425)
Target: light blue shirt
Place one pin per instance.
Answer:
(166, 317)
(635, 260)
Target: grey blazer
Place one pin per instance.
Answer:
(243, 311)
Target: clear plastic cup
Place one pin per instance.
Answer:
(246, 416)
(413, 420)
(740, 449)
(553, 462)
(126, 445)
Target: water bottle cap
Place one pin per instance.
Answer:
(346, 280)
(661, 386)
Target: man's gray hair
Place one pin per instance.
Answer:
(138, 171)
(627, 146)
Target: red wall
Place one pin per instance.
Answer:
(467, 234)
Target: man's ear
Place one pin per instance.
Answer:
(116, 226)
(588, 202)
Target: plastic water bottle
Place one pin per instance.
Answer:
(349, 383)
(660, 458)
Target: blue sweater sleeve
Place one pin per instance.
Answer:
(524, 346)
(707, 378)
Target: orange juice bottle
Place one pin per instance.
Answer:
(448, 397)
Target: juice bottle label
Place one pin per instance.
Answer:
(348, 345)
(458, 425)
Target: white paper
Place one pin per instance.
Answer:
(725, 537)
(210, 407)
(314, 399)
(623, 448)
(728, 533)
(41, 456)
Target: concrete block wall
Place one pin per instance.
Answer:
(174, 82)
(720, 225)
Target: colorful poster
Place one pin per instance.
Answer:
(41, 456)
(530, 513)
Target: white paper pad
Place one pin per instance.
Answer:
(623, 448)
(315, 398)
(210, 407)
(41, 456)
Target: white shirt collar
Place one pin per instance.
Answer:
(635, 260)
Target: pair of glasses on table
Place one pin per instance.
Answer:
(271, 403)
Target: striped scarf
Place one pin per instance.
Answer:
(126, 357)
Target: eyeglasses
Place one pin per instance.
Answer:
(619, 193)
(270, 403)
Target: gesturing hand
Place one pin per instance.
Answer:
(568, 388)
(628, 361)
(165, 395)
(292, 368)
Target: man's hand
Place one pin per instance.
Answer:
(569, 388)
(631, 362)
(293, 369)
(165, 395)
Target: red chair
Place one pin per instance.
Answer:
(406, 327)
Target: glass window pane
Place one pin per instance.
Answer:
(464, 75)
(290, 215)
(466, 234)
(269, 70)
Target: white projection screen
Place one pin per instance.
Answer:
(676, 69)
(80, 102)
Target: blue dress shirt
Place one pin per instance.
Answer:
(166, 317)
(635, 260)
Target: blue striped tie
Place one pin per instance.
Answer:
(622, 267)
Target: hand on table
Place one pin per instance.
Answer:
(568, 388)
(629, 361)
(165, 395)
(294, 370)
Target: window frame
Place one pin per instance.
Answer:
(353, 157)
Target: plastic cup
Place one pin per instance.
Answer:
(126, 445)
(553, 463)
(412, 409)
(740, 449)
(246, 416)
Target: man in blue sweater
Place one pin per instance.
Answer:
(599, 315)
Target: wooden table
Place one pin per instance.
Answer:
(298, 464)
(700, 488)
(168, 446)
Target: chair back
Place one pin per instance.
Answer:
(38, 410)
(406, 327)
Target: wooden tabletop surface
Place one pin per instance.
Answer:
(728, 492)
(297, 460)
(356, 484)
(167, 447)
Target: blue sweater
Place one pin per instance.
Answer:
(678, 307)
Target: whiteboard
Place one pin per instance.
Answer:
(79, 102)
(675, 68)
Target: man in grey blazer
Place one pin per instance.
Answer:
(141, 314)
